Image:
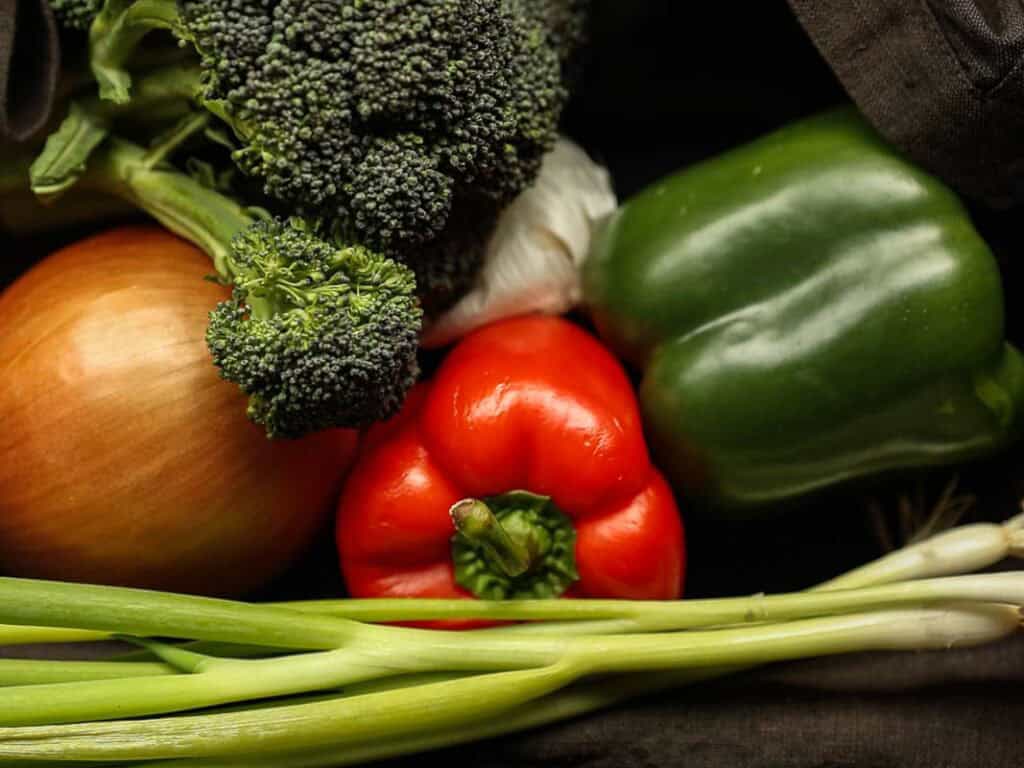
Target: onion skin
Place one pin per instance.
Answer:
(125, 458)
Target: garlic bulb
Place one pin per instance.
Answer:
(533, 258)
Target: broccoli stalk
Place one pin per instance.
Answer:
(414, 123)
(317, 333)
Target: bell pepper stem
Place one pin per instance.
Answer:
(476, 521)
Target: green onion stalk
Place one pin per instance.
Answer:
(960, 550)
(368, 652)
(407, 689)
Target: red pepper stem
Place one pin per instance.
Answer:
(513, 554)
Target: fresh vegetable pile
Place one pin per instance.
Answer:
(340, 185)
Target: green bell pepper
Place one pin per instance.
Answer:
(806, 309)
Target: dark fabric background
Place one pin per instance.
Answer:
(943, 79)
(29, 63)
(663, 87)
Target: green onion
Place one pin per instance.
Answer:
(408, 689)
(960, 550)
(32, 672)
(145, 613)
(17, 635)
(415, 711)
(372, 652)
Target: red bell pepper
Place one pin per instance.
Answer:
(529, 439)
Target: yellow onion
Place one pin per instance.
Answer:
(124, 458)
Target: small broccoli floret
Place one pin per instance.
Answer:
(75, 14)
(317, 334)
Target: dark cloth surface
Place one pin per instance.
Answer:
(942, 79)
(661, 89)
(29, 65)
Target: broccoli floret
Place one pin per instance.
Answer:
(317, 332)
(390, 116)
(406, 106)
(75, 14)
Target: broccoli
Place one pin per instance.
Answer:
(324, 337)
(394, 117)
(318, 333)
(75, 14)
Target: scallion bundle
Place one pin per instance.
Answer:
(360, 691)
